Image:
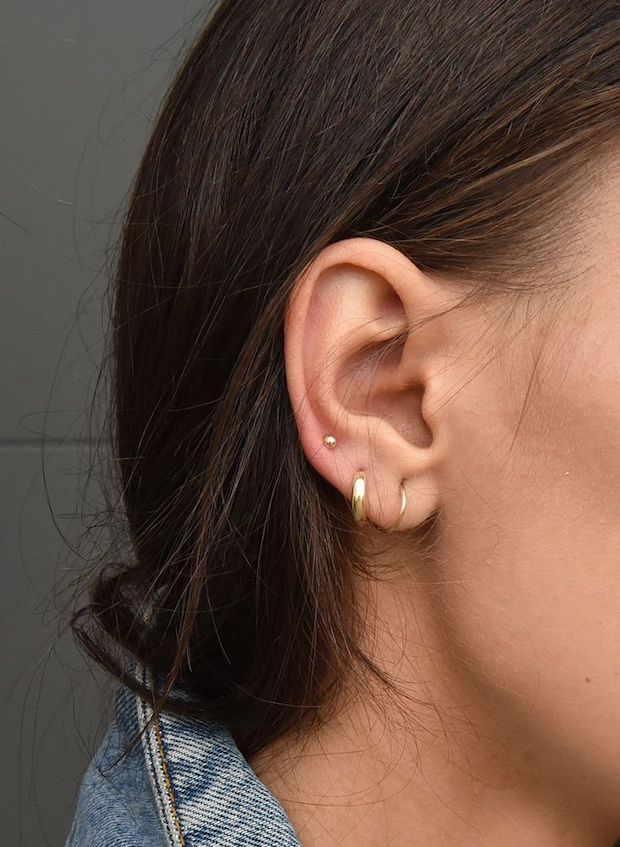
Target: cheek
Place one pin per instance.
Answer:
(533, 544)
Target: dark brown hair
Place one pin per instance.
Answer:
(457, 132)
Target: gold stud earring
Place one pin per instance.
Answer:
(329, 441)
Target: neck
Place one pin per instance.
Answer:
(448, 760)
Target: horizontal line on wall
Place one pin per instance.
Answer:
(38, 443)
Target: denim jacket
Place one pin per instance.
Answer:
(184, 784)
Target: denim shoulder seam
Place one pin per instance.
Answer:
(159, 777)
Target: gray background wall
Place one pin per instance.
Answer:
(80, 82)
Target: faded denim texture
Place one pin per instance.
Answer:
(184, 784)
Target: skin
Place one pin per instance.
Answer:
(503, 416)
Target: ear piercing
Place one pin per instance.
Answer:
(358, 502)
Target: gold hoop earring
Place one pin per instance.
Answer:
(358, 497)
(358, 502)
(403, 506)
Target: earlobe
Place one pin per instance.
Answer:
(356, 384)
(358, 494)
(358, 502)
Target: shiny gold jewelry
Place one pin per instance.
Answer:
(358, 505)
(358, 502)
(329, 441)
(403, 506)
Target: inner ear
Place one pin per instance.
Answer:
(388, 302)
(373, 385)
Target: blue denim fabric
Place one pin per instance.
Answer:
(184, 784)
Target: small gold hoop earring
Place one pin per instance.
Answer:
(358, 497)
(403, 506)
(358, 502)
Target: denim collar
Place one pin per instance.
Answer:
(205, 791)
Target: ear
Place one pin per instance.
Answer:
(354, 297)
